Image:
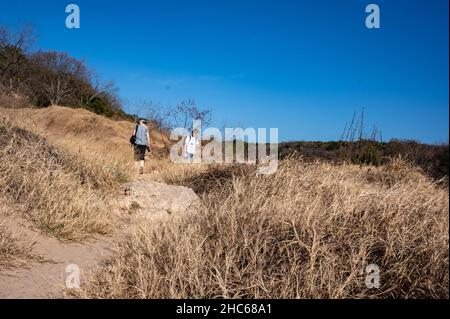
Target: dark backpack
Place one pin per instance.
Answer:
(133, 137)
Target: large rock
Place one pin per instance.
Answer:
(155, 201)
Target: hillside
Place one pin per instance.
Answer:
(61, 171)
(79, 131)
(58, 122)
(307, 231)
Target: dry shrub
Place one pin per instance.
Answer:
(63, 195)
(211, 178)
(308, 231)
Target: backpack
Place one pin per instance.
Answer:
(133, 137)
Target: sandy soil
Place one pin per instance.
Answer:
(47, 279)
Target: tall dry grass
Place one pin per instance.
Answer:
(63, 195)
(307, 231)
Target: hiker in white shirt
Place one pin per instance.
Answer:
(190, 145)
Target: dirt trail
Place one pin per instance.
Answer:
(156, 201)
(47, 280)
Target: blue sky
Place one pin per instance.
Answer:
(301, 66)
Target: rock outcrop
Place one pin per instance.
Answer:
(155, 201)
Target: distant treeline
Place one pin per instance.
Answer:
(47, 78)
(433, 159)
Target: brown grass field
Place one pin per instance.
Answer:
(308, 231)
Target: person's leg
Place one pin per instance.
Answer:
(136, 155)
(142, 159)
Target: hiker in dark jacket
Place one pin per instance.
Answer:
(141, 143)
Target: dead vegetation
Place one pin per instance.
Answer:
(307, 231)
(63, 195)
(83, 134)
(12, 252)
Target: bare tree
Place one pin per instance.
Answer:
(186, 112)
(99, 89)
(90, 87)
(55, 75)
(13, 50)
(52, 78)
(351, 130)
(109, 93)
(361, 127)
(160, 117)
(166, 118)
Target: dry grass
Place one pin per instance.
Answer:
(162, 170)
(308, 231)
(80, 133)
(14, 101)
(84, 133)
(93, 138)
(12, 252)
(61, 165)
(62, 194)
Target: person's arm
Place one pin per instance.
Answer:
(148, 141)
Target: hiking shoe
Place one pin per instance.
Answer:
(141, 170)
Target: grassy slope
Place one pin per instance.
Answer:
(307, 231)
(61, 165)
(62, 194)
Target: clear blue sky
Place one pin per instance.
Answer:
(300, 66)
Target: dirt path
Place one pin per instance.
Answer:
(47, 280)
(155, 202)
